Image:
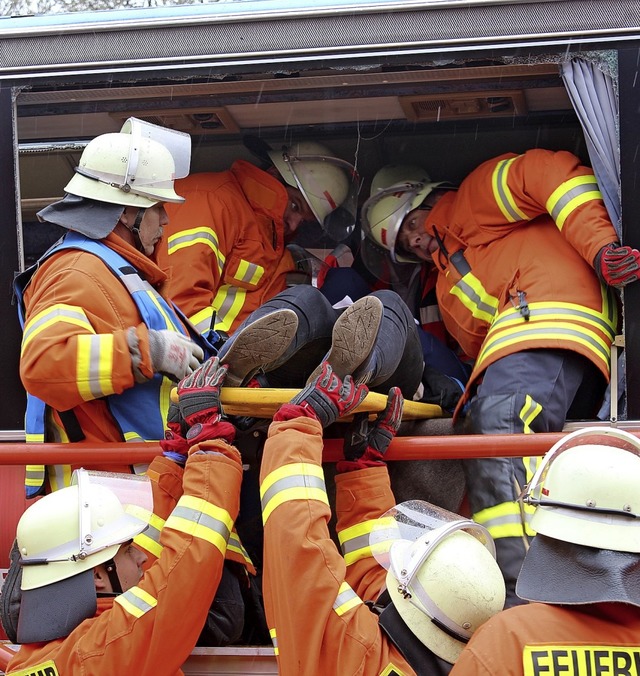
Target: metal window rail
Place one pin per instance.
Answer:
(446, 447)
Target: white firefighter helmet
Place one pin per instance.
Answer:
(395, 191)
(79, 527)
(328, 184)
(586, 490)
(442, 576)
(135, 167)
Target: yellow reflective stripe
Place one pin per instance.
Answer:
(34, 475)
(202, 319)
(605, 320)
(249, 273)
(156, 299)
(346, 600)
(392, 670)
(297, 481)
(149, 539)
(47, 668)
(502, 194)
(60, 313)
(133, 436)
(531, 465)
(543, 331)
(202, 519)
(34, 438)
(559, 659)
(234, 545)
(201, 235)
(530, 410)
(472, 294)
(59, 476)
(570, 195)
(94, 363)
(354, 541)
(136, 601)
(274, 640)
(506, 519)
(228, 304)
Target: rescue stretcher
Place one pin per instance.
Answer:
(263, 402)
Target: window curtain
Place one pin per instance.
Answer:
(594, 97)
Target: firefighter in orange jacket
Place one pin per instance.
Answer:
(101, 346)
(225, 249)
(329, 612)
(515, 246)
(86, 605)
(581, 570)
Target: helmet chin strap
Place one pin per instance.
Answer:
(135, 230)
(112, 572)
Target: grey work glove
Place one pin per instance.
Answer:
(174, 355)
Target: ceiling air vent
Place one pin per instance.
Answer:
(463, 105)
(191, 120)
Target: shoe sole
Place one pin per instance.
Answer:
(258, 345)
(353, 337)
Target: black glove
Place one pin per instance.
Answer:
(329, 397)
(440, 389)
(366, 442)
(617, 265)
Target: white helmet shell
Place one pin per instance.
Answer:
(325, 181)
(76, 528)
(456, 588)
(586, 490)
(396, 190)
(133, 167)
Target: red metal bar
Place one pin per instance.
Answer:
(401, 448)
(5, 656)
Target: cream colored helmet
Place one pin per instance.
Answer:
(444, 583)
(79, 527)
(328, 184)
(395, 191)
(586, 490)
(135, 167)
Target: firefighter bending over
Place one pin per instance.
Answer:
(526, 258)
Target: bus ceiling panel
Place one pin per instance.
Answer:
(213, 41)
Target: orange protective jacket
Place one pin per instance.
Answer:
(546, 640)
(81, 283)
(313, 596)
(152, 627)
(516, 268)
(224, 249)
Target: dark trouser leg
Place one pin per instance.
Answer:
(530, 391)
(397, 357)
(288, 367)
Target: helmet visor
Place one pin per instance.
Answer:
(178, 143)
(534, 493)
(336, 210)
(410, 520)
(135, 495)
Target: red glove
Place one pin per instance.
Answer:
(174, 445)
(617, 265)
(199, 393)
(328, 397)
(366, 443)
